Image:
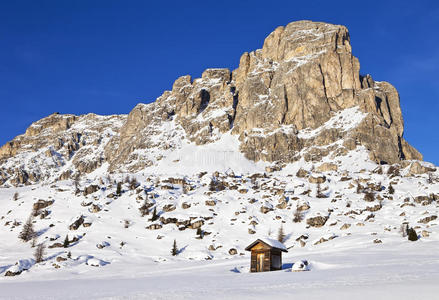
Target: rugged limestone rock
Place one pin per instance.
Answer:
(91, 189)
(427, 219)
(50, 143)
(295, 98)
(78, 222)
(169, 207)
(317, 179)
(417, 168)
(40, 204)
(325, 167)
(317, 221)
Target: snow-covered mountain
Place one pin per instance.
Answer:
(295, 138)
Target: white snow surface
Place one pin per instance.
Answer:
(396, 271)
(359, 251)
(273, 243)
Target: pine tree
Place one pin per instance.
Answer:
(319, 193)
(119, 188)
(27, 233)
(200, 232)
(174, 250)
(280, 234)
(391, 189)
(144, 209)
(412, 235)
(154, 215)
(359, 188)
(15, 196)
(297, 217)
(133, 183)
(66, 241)
(69, 254)
(212, 185)
(39, 253)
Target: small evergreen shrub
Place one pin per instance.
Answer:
(174, 250)
(412, 235)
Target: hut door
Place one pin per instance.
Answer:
(260, 262)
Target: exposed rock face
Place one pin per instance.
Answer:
(301, 95)
(47, 147)
(303, 75)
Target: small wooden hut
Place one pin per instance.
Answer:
(266, 255)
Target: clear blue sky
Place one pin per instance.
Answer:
(106, 56)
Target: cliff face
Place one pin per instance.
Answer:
(300, 96)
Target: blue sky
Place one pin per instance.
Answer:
(107, 56)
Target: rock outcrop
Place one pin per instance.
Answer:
(304, 75)
(300, 96)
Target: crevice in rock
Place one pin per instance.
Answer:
(286, 105)
(170, 114)
(390, 112)
(234, 106)
(401, 152)
(378, 102)
(324, 86)
(205, 98)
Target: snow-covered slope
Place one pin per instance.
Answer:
(231, 209)
(291, 141)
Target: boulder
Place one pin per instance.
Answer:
(196, 224)
(185, 205)
(91, 189)
(40, 204)
(317, 179)
(326, 167)
(154, 226)
(416, 168)
(169, 207)
(210, 202)
(78, 222)
(427, 219)
(317, 221)
(345, 226)
(233, 251)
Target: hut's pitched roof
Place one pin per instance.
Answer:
(272, 243)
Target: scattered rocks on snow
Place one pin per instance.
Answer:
(427, 219)
(233, 251)
(326, 167)
(317, 221)
(91, 189)
(40, 204)
(316, 180)
(210, 202)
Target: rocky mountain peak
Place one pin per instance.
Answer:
(299, 97)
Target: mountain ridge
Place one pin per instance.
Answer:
(303, 74)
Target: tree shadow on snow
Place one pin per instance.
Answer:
(287, 237)
(4, 268)
(54, 255)
(235, 270)
(42, 231)
(182, 249)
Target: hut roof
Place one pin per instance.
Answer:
(272, 243)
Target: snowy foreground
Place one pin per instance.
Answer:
(109, 235)
(387, 271)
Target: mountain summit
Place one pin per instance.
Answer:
(299, 97)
